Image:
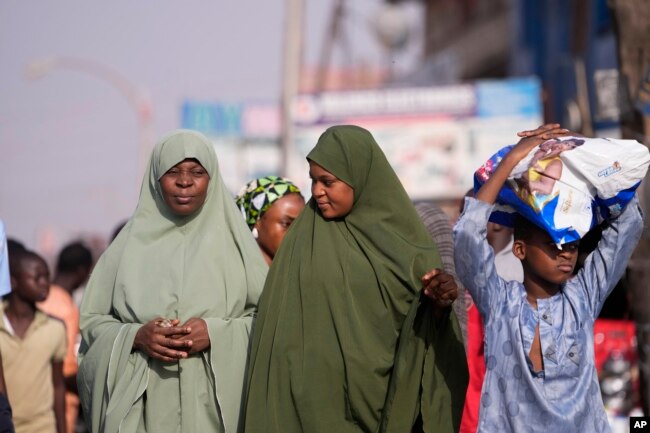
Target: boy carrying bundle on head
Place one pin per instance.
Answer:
(539, 350)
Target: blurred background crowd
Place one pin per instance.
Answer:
(442, 84)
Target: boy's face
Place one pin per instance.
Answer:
(540, 255)
(32, 284)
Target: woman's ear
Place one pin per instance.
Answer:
(519, 249)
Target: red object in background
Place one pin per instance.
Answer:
(616, 361)
(614, 336)
(476, 367)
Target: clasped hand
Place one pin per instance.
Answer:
(168, 341)
(440, 287)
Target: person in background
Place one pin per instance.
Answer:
(437, 223)
(33, 347)
(14, 245)
(269, 205)
(168, 309)
(501, 240)
(73, 267)
(6, 424)
(355, 331)
(541, 374)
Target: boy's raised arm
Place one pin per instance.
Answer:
(605, 266)
(474, 258)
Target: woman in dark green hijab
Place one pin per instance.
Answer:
(346, 340)
(168, 309)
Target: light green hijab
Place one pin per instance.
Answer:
(345, 341)
(205, 265)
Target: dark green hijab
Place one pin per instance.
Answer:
(345, 341)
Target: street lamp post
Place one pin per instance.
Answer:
(138, 100)
(290, 78)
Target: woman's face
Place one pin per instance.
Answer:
(275, 222)
(185, 187)
(334, 197)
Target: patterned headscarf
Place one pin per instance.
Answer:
(259, 194)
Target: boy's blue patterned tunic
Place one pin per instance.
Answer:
(565, 397)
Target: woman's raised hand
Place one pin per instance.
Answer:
(162, 339)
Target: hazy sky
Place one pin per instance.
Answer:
(69, 140)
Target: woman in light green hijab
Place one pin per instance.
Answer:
(346, 340)
(168, 309)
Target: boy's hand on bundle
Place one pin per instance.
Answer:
(533, 138)
(440, 287)
(160, 339)
(529, 140)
